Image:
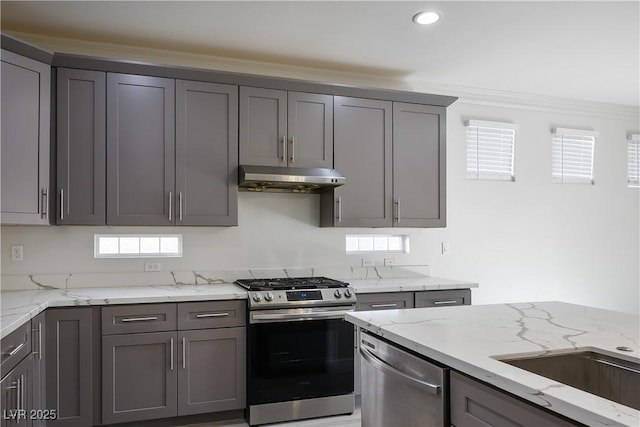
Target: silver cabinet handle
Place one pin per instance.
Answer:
(293, 149)
(15, 350)
(205, 315)
(380, 364)
(39, 331)
(184, 353)
(397, 206)
(339, 209)
(170, 205)
(45, 202)
(384, 305)
(62, 204)
(171, 350)
(139, 319)
(283, 156)
(22, 405)
(180, 206)
(452, 301)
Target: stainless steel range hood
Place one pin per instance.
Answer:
(284, 179)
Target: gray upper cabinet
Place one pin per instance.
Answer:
(140, 150)
(25, 140)
(393, 156)
(280, 128)
(81, 152)
(419, 161)
(206, 153)
(362, 152)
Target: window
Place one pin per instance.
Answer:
(633, 164)
(572, 155)
(490, 150)
(137, 246)
(365, 243)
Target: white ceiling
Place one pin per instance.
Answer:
(579, 49)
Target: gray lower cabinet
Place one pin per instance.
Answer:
(17, 395)
(211, 375)
(39, 405)
(206, 153)
(69, 357)
(140, 150)
(81, 142)
(474, 404)
(280, 128)
(25, 140)
(443, 298)
(139, 377)
(363, 154)
(385, 301)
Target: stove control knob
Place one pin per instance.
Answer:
(257, 297)
(268, 296)
(337, 293)
(348, 293)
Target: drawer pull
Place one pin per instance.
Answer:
(206, 315)
(450, 301)
(395, 304)
(139, 319)
(15, 350)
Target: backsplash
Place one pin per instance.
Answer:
(189, 278)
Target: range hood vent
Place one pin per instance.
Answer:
(289, 180)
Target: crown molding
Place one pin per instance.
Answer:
(382, 80)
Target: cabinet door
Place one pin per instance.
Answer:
(140, 150)
(68, 338)
(310, 130)
(17, 395)
(443, 298)
(38, 326)
(419, 161)
(139, 374)
(25, 140)
(206, 153)
(212, 370)
(81, 159)
(362, 145)
(474, 404)
(385, 301)
(263, 127)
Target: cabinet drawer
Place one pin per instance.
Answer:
(15, 347)
(443, 298)
(211, 314)
(384, 301)
(138, 318)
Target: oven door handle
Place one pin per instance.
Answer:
(289, 317)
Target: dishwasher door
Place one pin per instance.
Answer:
(400, 389)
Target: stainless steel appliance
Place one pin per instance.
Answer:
(300, 349)
(288, 179)
(399, 388)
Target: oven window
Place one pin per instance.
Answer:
(299, 360)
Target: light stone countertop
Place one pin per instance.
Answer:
(408, 284)
(469, 339)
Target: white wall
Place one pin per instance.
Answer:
(526, 240)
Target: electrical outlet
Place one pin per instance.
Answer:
(445, 248)
(367, 262)
(152, 266)
(389, 262)
(17, 253)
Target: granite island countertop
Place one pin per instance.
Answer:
(469, 339)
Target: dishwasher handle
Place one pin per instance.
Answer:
(385, 367)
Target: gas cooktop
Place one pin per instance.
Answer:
(290, 283)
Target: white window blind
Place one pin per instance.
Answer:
(572, 155)
(633, 165)
(490, 150)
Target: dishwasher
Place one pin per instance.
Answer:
(399, 388)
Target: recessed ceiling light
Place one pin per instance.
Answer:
(426, 18)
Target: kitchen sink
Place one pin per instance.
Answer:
(588, 370)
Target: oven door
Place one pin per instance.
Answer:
(298, 354)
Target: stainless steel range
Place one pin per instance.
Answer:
(300, 349)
